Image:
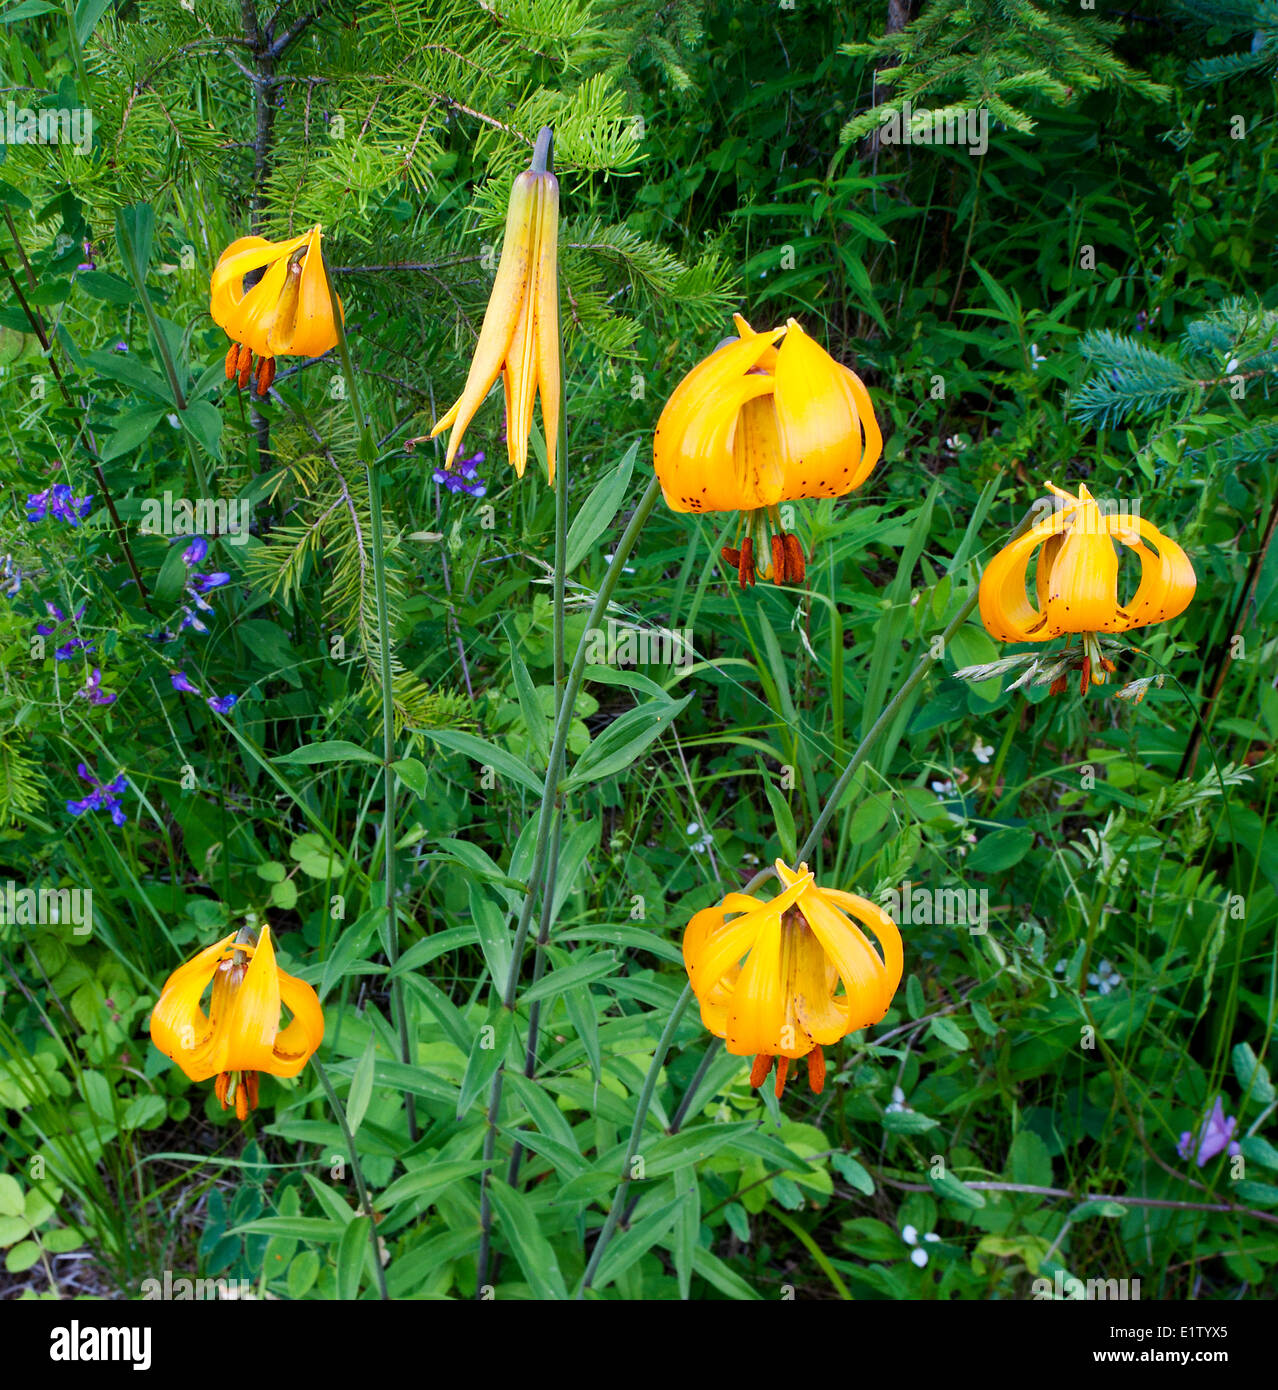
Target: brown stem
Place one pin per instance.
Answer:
(898, 16)
(37, 325)
(1186, 768)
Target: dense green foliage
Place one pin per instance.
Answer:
(1092, 299)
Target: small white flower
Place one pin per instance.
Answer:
(982, 751)
(1036, 357)
(897, 1104)
(945, 788)
(910, 1235)
(1105, 978)
(693, 829)
(1232, 365)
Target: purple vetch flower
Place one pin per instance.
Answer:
(195, 552)
(203, 583)
(88, 263)
(68, 649)
(1213, 1136)
(220, 704)
(121, 346)
(463, 476)
(58, 501)
(93, 691)
(103, 797)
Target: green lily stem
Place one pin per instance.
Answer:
(386, 679)
(339, 1112)
(554, 774)
(36, 321)
(632, 1148)
(77, 53)
(1009, 734)
(886, 716)
(137, 273)
(552, 868)
(809, 845)
(681, 1111)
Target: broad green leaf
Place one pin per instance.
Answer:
(853, 1173)
(413, 774)
(1253, 1075)
(954, 1190)
(907, 1122)
(945, 1030)
(203, 422)
(1000, 849)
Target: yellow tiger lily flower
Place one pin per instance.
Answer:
(754, 425)
(241, 1034)
(288, 312)
(766, 973)
(519, 337)
(1076, 580)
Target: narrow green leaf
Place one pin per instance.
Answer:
(518, 1223)
(492, 1041)
(329, 751)
(597, 512)
(496, 937)
(425, 1184)
(361, 1091)
(623, 740)
(351, 1252)
(486, 754)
